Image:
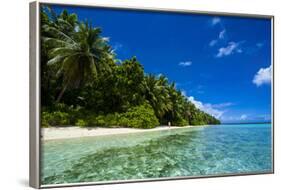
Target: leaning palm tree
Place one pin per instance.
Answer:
(79, 54)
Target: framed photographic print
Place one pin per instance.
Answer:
(128, 94)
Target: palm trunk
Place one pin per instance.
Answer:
(61, 93)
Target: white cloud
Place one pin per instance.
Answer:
(263, 76)
(185, 63)
(231, 48)
(243, 117)
(221, 37)
(223, 105)
(208, 108)
(213, 42)
(216, 20)
(222, 34)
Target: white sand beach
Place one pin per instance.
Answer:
(53, 133)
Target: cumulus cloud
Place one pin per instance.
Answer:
(263, 76)
(185, 63)
(231, 48)
(216, 20)
(208, 108)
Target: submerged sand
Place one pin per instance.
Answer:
(53, 133)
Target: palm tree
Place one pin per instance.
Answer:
(80, 52)
(155, 89)
(177, 101)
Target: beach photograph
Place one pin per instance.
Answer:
(130, 95)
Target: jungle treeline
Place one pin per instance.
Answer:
(83, 83)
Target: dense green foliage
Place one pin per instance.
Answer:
(139, 117)
(136, 117)
(83, 84)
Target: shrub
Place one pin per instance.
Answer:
(139, 117)
(44, 121)
(100, 121)
(81, 123)
(91, 119)
(55, 118)
(111, 120)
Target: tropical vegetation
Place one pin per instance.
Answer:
(83, 83)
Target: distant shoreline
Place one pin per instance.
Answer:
(56, 133)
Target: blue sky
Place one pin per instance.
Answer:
(222, 64)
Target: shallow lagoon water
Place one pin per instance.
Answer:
(218, 149)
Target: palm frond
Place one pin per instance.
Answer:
(54, 42)
(58, 33)
(62, 51)
(55, 60)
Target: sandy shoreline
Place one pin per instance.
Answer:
(53, 133)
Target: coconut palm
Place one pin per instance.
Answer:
(65, 22)
(177, 102)
(79, 54)
(157, 94)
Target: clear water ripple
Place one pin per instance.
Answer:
(222, 149)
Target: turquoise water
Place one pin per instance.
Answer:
(221, 149)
